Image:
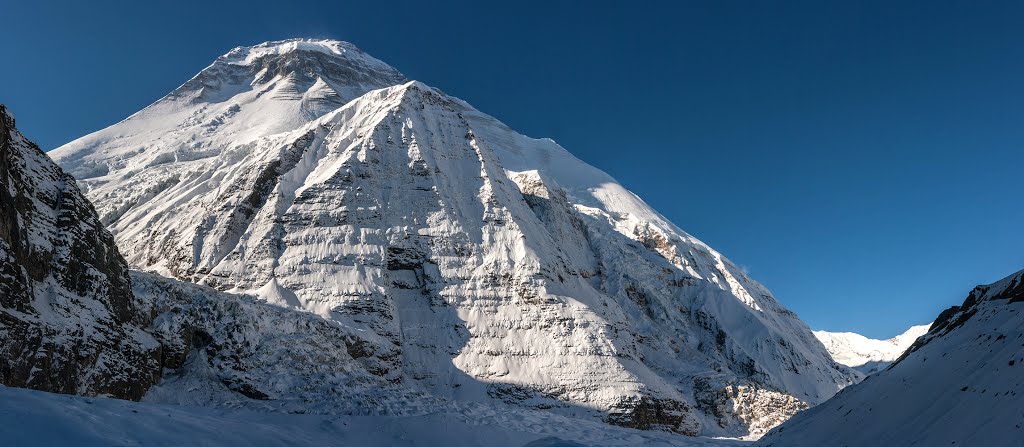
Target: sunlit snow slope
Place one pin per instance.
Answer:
(868, 355)
(962, 384)
(478, 264)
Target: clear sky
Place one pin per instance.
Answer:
(864, 160)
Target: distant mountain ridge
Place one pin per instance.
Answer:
(868, 355)
(465, 260)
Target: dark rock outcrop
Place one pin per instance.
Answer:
(69, 322)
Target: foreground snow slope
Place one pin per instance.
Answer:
(34, 418)
(476, 264)
(868, 355)
(961, 384)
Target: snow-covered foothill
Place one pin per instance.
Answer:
(961, 383)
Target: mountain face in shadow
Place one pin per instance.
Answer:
(69, 322)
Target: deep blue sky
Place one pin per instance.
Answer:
(864, 161)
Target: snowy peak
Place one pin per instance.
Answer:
(868, 355)
(336, 48)
(296, 65)
(248, 93)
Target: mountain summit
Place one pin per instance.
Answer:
(469, 262)
(250, 91)
(321, 74)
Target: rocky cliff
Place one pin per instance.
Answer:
(69, 322)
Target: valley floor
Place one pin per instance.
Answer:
(31, 418)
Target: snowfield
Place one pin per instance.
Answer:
(35, 418)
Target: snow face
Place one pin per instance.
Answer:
(868, 355)
(959, 384)
(476, 264)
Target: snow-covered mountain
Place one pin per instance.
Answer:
(461, 259)
(69, 322)
(868, 355)
(961, 383)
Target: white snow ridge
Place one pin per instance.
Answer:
(868, 355)
(447, 261)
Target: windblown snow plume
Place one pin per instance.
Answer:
(472, 263)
